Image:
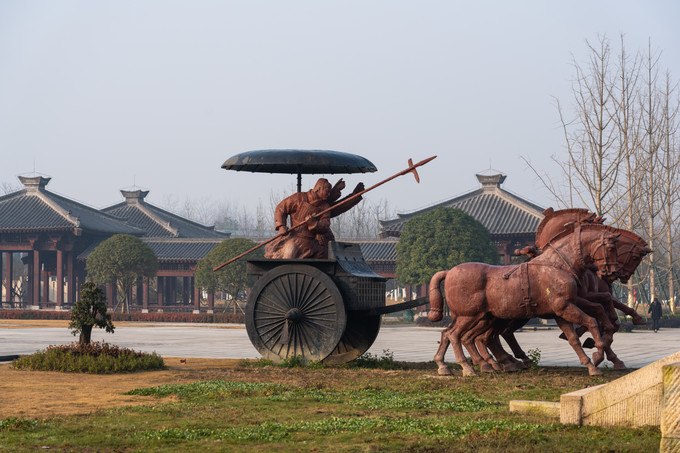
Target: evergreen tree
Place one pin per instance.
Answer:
(439, 240)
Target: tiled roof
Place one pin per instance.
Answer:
(171, 249)
(157, 222)
(501, 212)
(36, 209)
(377, 250)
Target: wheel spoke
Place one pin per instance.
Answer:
(273, 300)
(280, 295)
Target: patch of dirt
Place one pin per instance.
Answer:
(44, 394)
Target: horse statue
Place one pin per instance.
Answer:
(630, 251)
(478, 293)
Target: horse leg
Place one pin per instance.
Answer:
(483, 341)
(462, 324)
(508, 335)
(637, 319)
(572, 338)
(491, 341)
(573, 314)
(618, 364)
(479, 357)
(442, 368)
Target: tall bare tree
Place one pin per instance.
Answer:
(591, 137)
(669, 183)
(625, 210)
(650, 107)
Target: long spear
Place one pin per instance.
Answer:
(411, 169)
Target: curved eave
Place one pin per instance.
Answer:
(39, 230)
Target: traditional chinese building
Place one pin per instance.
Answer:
(45, 239)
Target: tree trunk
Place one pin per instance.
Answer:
(85, 335)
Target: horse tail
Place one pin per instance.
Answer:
(436, 300)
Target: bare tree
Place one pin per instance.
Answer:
(669, 179)
(626, 210)
(651, 108)
(591, 137)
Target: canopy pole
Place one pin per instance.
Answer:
(299, 181)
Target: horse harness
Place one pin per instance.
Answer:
(527, 302)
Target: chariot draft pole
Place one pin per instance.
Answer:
(411, 169)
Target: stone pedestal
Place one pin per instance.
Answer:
(632, 400)
(670, 410)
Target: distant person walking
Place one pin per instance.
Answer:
(655, 311)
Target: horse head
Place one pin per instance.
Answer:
(631, 250)
(599, 248)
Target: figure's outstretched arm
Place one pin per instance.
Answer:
(347, 206)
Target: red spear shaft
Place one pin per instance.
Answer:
(411, 169)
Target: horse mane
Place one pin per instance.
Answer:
(576, 214)
(551, 215)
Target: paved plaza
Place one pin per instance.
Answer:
(406, 343)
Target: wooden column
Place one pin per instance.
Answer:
(60, 279)
(36, 279)
(145, 295)
(8, 276)
(160, 288)
(45, 274)
(197, 294)
(70, 279)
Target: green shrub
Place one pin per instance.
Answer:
(17, 424)
(97, 358)
(368, 360)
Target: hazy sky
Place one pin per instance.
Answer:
(101, 95)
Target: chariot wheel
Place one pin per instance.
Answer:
(360, 333)
(295, 310)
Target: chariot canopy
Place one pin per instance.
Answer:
(299, 161)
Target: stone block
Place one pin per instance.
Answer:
(670, 411)
(632, 400)
(542, 408)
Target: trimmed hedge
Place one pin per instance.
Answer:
(202, 318)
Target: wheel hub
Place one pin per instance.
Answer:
(294, 315)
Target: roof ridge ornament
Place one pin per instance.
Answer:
(134, 196)
(34, 183)
(491, 181)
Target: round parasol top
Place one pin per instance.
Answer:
(295, 161)
(299, 161)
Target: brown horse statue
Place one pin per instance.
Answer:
(478, 293)
(630, 250)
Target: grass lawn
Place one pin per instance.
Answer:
(251, 406)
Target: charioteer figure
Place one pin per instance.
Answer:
(315, 208)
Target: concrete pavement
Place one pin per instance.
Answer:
(406, 343)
